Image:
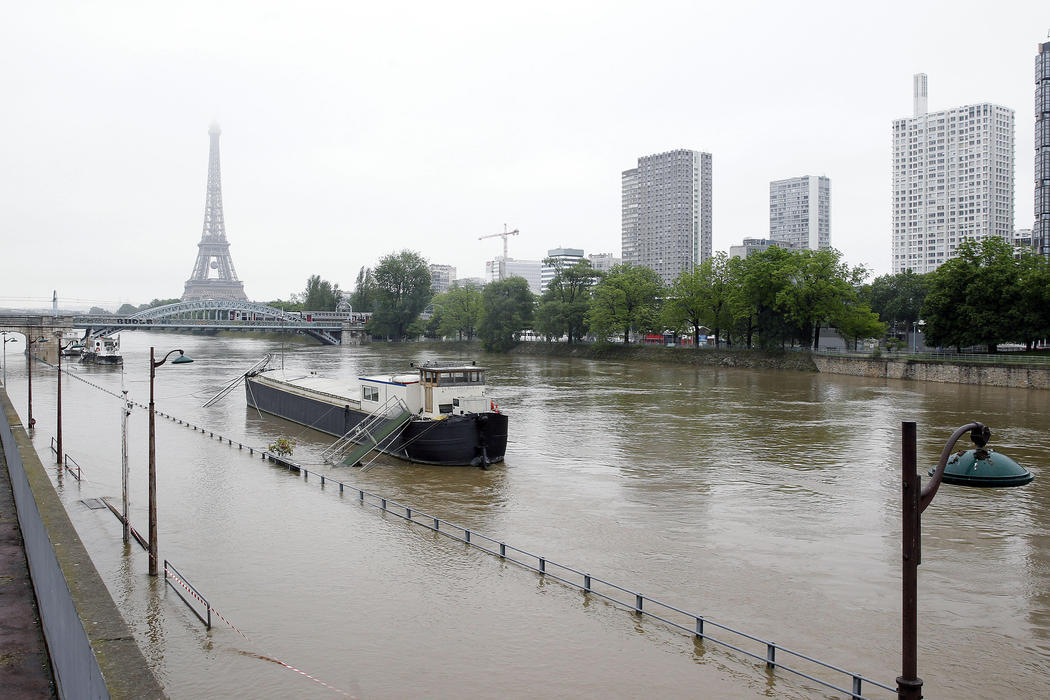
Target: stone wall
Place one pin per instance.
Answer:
(957, 372)
(710, 357)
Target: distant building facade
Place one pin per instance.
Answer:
(568, 258)
(800, 212)
(666, 212)
(953, 180)
(1041, 228)
(475, 282)
(603, 262)
(1022, 241)
(441, 278)
(501, 268)
(751, 246)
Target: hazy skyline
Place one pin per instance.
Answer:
(350, 132)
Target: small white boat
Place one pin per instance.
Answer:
(104, 350)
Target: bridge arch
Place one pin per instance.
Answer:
(225, 314)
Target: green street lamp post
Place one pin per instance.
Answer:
(984, 467)
(153, 365)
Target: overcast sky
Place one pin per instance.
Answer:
(353, 131)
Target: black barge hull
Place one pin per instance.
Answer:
(458, 440)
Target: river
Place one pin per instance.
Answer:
(765, 500)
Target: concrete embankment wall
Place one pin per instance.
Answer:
(958, 372)
(93, 653)
(1019, 377)
(752, 359)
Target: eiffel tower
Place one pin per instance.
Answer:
(213, 275)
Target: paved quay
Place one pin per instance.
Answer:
(24, 668)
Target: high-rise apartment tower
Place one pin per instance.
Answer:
(666, 212)
(1041, 228)
(953, 180)
(800, 212)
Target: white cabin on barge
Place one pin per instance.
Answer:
(436, 391)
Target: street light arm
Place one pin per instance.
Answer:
(158, 363)
(978, 432)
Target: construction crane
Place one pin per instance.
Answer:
(503, 235)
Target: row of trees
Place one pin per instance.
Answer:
(772, 299)
(983, 297)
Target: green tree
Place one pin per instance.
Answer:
(819, 289)
(1033, 306)
(363, 298)
(974, 298)
(942, 307)
(506, 310)
(457, 312)
(897, 299)
(402, 291)
(98, 311)
(320, 295)
(760, 279)
(700, 298)
(563, 306)
(857, 321)
(286, 305)
(626, 299)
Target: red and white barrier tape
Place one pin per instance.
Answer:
(232, 626)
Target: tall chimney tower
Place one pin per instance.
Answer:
(919, 103)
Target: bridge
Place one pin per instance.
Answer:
(205, 314)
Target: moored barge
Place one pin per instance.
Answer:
(438, 414)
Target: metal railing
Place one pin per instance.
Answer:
(696, 625)
(171, 573)
(66, 461)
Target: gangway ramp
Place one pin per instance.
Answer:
(375, 432)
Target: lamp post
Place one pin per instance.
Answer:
(978, 467)
(153, 365)
(6, 341)
(125, 411)
(915, 326)
(58, 429)
(29, 380)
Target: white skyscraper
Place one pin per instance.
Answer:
(800, 212)
(953, 179)
(503, 268)
(666, 212)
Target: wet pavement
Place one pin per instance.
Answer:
(24, 668)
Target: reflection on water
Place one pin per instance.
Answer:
(765, 500)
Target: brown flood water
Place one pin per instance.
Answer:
(768, 501)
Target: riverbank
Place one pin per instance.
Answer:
(951, 371)
(706, 357)
(1014, 375)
